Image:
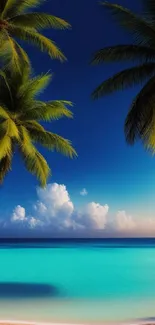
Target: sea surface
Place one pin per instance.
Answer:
(77, 280)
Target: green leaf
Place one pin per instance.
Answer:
(34, 125)
(125, 79)
(19, 126)
(14, 7)
(37, 39)
(139, 119)
(11, 128)
(149, 9)
(25, 141)
(5, 167)
(17, 56)
(124, 53)
(47, 111)
(3, 113)
(5, 146)
(142, 30)
(2, 5)
(53, 141)
(37, 165)
(34, 86)
(39, 20)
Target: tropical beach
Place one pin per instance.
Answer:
(77, 168)
(102, 281)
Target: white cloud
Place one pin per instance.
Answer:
(54, 212)
(124, 222)
(33, 222)
(19, 214)
(94, 216)
(83, 192)
(54, 205)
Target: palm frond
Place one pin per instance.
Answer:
(139, 119)
(53, 142)
(19, 126)
(57, 109)
(7, 5)
(4, 85)
(34, 86)
(47, 111)
(4, 114)
(61, 145)
(5, 167)
(142, 30)
(15, 7)
(2, 5)
(33, 125)
(37, 165)
(35, 38)
(125, 79)
(39, 20)
(5, 147)
(11, 128)
(24, 59)
(124, 53)
(149, 138)
(15, 60)
(149, 9)
(25, 142)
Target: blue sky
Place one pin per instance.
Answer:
(112, 172)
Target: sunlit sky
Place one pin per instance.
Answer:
(117, 178)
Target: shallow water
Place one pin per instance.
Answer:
(78, 281)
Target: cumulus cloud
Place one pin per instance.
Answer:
(84, 192)
(19, 217)
(55, 213)
(19, 214)
(54, 205)
(94, 216)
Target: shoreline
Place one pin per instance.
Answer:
(22, 322)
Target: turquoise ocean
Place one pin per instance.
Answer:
(77, 280)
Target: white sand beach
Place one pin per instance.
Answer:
(22, 322)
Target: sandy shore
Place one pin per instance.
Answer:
(14, 322)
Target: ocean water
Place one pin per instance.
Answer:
(77, 281)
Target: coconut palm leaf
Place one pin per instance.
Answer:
(16, 56)
(5, 146)
(18, 24)
(139, 118)
(37, 165)
(142, 30)
(20, 124)
(4, 115)
(124, 53)
(12, 8)
(39, 20)
(149, 9)
(5, 167)
(48, 111)
(149, 138)
(52, 141)
(2, 5)
(37, 39)
(125, 79)
(140, 121)
(34, 86)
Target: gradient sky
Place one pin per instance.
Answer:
(113, 173)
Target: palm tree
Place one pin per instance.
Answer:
(20, 128)
(140, 121)
(17, 22)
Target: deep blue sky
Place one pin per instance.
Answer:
(111, 171)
